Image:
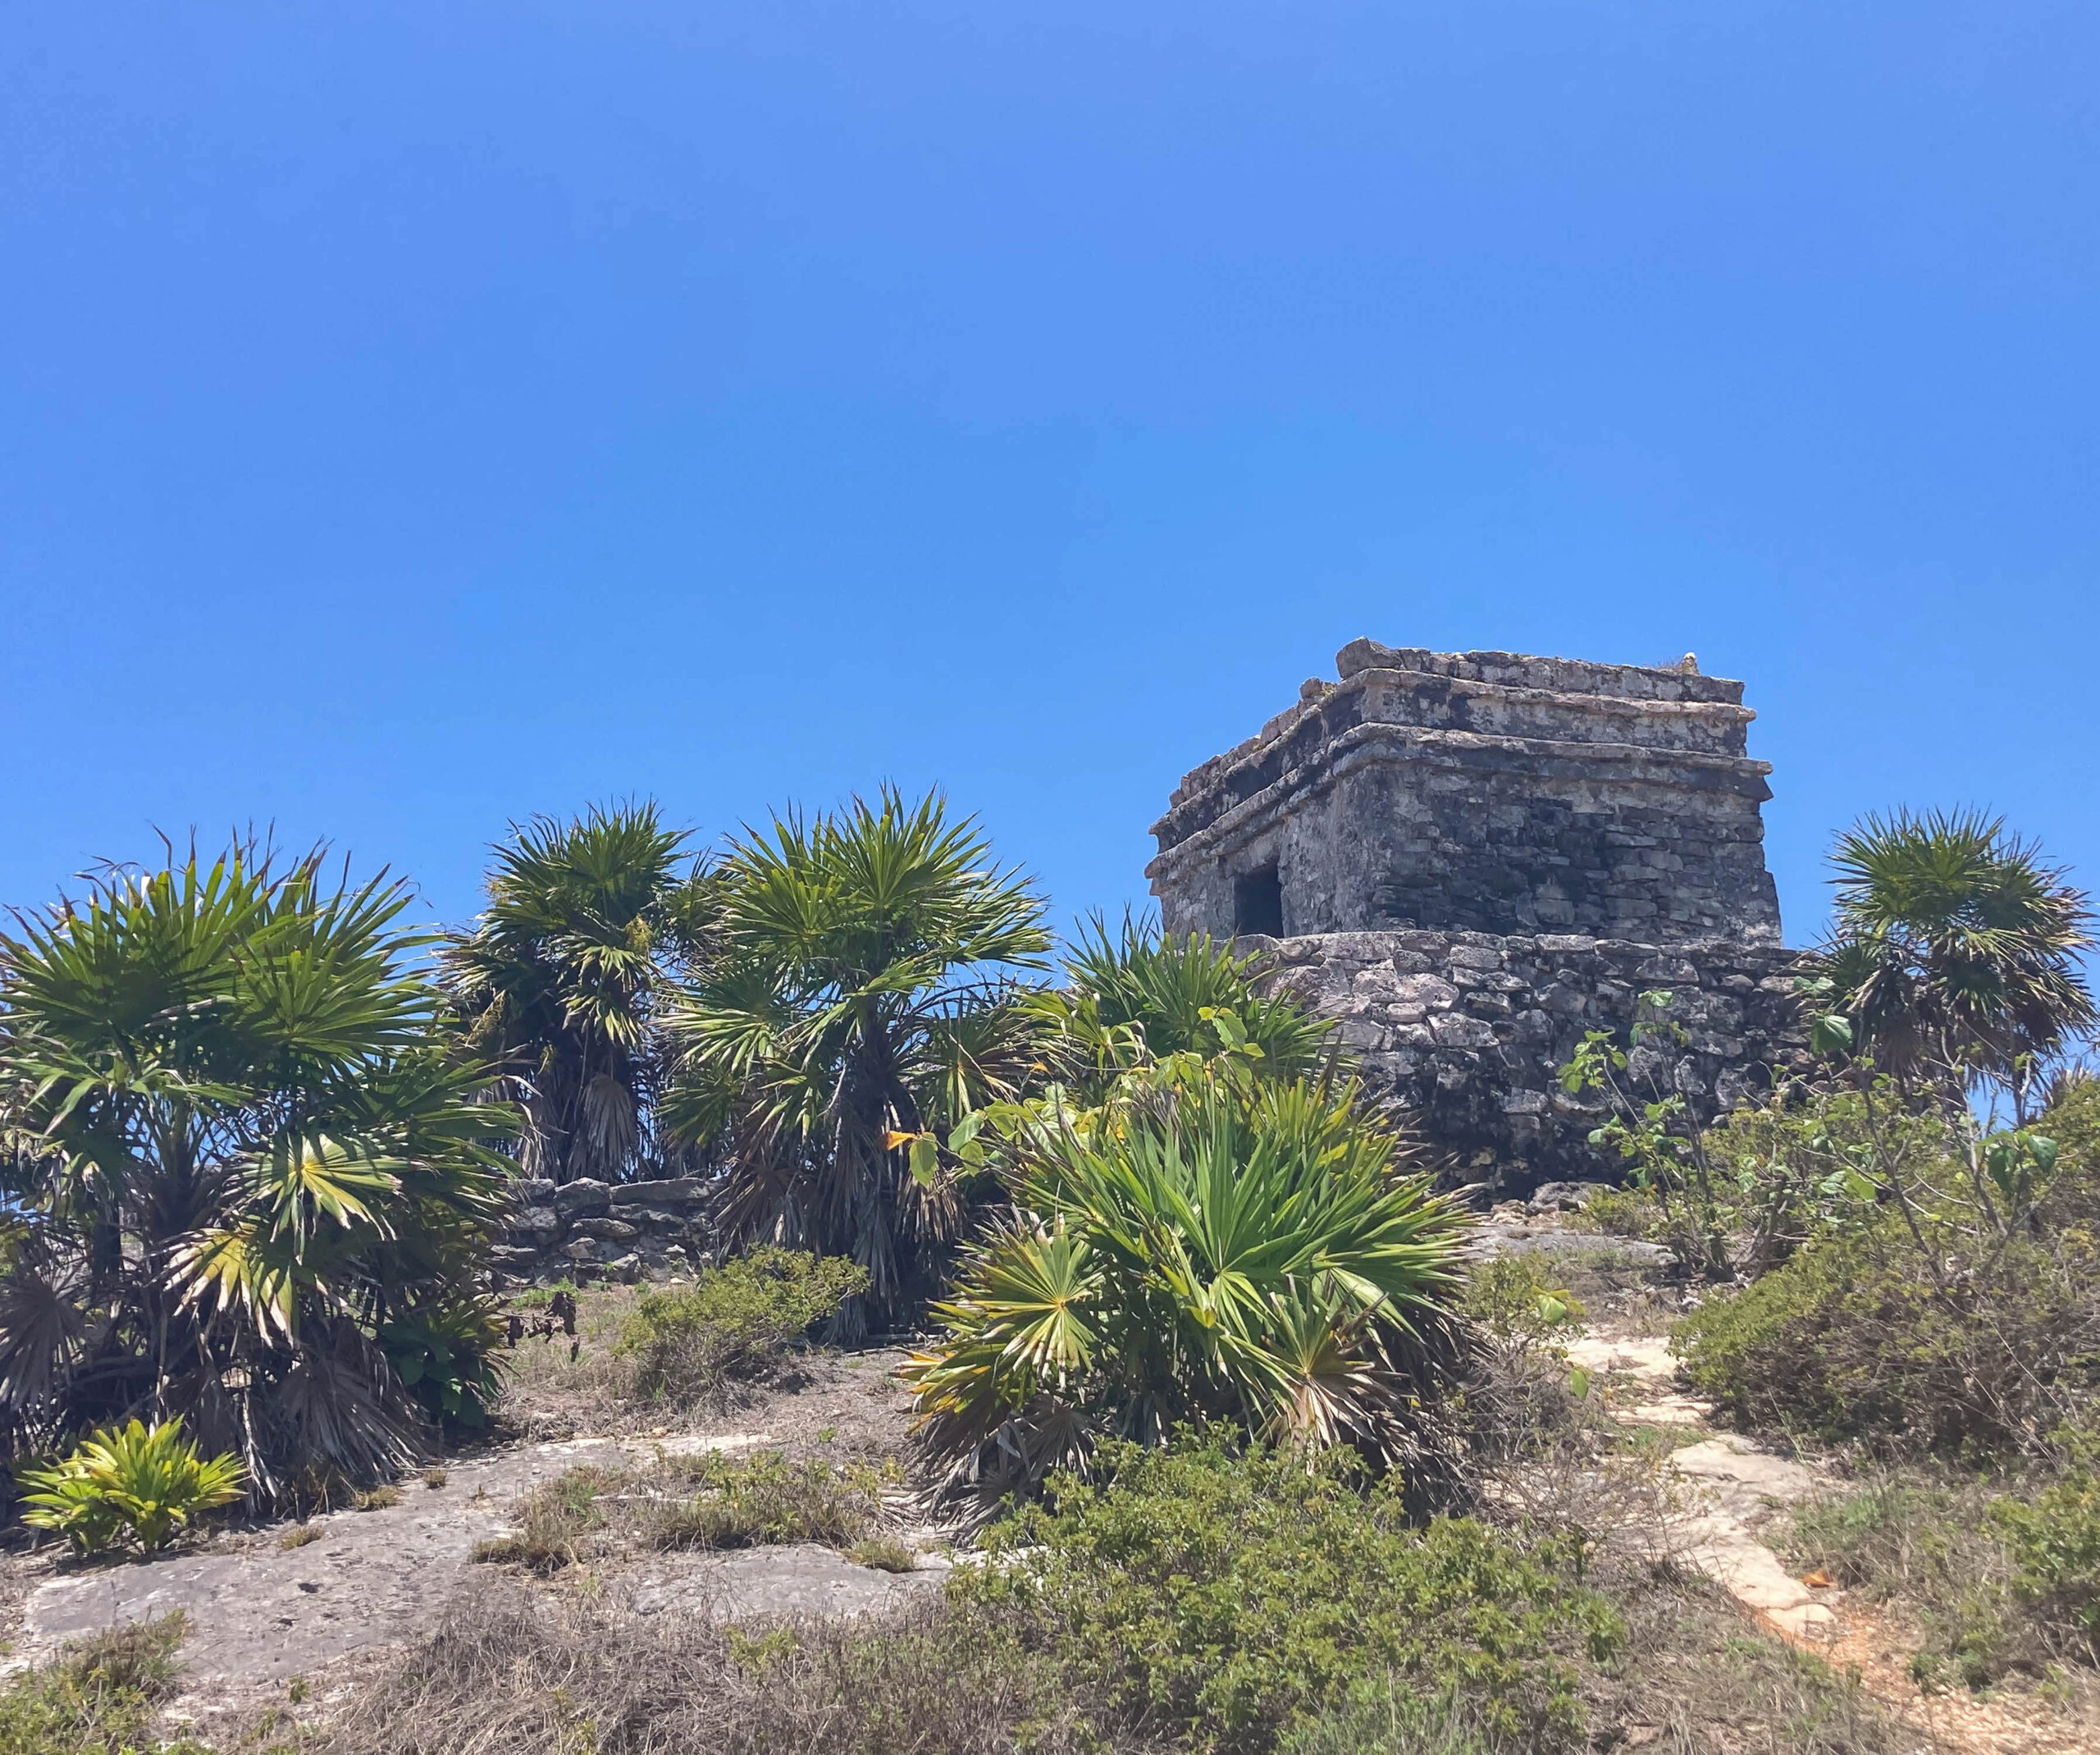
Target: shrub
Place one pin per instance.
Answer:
(101, 1697)
(1221, 1597)
(1514, 1299)
(148, 1483)
(1205, 1247)
(445, 1354)
(2054, 1539)
(735, 1322)
(1853, 1339)
(1963, 1319)
(764, 1499)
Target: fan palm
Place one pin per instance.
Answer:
(238, 1150)
(559, 980)
(1136, 995)
(857, 999)
(1956, 948)
(1257, 1254)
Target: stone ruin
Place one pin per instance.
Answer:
(1469, 859)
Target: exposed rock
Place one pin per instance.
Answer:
(1564, 1197)
(679, 1191)
(609, 1230)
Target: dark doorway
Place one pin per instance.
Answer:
(1257, 902)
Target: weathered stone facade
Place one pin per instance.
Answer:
(587, 1230)
(1472, 858)
(1468, 1031)
(1482, 792)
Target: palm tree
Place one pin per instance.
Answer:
(1258, 1254)
(559, 981)
(1955, 948)
(858, 999)
(1137, 996)
(251, 1185)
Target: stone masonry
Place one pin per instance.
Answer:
(587, 1230)
(1471, 858)
(1468, 1032)
(1479, 791)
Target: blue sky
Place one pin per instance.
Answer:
(414, 417)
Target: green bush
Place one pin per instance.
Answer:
(2054, 1539)
(445, 1356)
(1850, 1340)
(100, 1698)
(735, 1322)
(1515, 1299)
(1222, 1597)
(1963, 1320)
(148, 1483)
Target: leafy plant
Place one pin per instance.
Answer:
(1515, 1300)
(148, 1482)
(2054, 1539)
(1221, 1598)
(100, 1698)
(734, 1322)
(560, 980)
(1244, 1252)
(1956, 950)
(444, 1355)
(1139, 998)
(855, 1006)
(240, 1146)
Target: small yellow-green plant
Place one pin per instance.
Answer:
(146, 1483)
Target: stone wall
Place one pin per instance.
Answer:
(1486, 792)
(1468, 1031)
(586, 1230)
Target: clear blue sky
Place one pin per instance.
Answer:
(414, 417)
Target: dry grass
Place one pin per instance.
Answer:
(548, 1393)
(531, 1675)
(705, 1501)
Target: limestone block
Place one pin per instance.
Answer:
(1455, 1030)
(609, 1230)
(583, 1196)
(677, 1191)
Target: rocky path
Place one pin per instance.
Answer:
(1728, 1491)
(1728, 1486)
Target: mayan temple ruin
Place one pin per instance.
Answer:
(1472, 858)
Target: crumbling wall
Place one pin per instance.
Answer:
(588, 1230)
